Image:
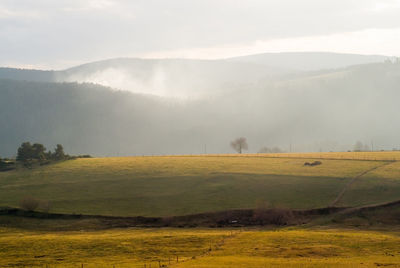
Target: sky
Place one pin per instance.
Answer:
(48, 34)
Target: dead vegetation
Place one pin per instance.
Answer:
(315, 163)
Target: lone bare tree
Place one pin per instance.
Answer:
(239, 144)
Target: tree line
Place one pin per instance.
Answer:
(240, 144)
(29, 154)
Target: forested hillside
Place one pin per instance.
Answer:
(328, 110)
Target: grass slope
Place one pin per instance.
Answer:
(378, 186)
(163, 186)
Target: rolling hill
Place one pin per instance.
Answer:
(181, 185)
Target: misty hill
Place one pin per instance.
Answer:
(185, 78)
(169, 77)
(318, 111)
(309, 61)
(182, 78)
(85, 117)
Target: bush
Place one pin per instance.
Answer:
(276, 216)
(29, 203)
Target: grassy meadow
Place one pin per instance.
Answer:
(178, 185)
(290, 247)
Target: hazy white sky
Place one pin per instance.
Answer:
(59, 34)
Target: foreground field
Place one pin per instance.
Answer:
(178, 185)
(367, 236)
(200, 248)
(305, 248)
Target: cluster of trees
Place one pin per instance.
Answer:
(28, 152)
(240, 144)
(272, 150)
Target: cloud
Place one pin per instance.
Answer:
(369, 41)
(42, 31)
(6, 13)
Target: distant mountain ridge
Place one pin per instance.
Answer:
(309, 61)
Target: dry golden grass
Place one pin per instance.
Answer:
(305, 248)
(250, 248)
(122, 248)
(376, 155)
(93, 169)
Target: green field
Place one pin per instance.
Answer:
(178, 185)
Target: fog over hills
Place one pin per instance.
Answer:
(187, 78)
(197, 106)
(178, 78)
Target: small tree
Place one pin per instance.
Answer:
(39, 151)
(29, 203)
(25, 152)
(59, 152)
(239, 144)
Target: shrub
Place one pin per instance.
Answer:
(276, 216)
(29, 203)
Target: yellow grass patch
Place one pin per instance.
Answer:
(250, 248)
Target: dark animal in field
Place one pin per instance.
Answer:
(315, 163)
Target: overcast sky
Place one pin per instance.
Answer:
(58, 34)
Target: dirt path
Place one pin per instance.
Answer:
(370, 206)
(351, 182)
